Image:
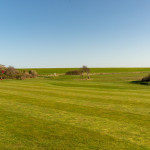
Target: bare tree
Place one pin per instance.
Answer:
(86, 70)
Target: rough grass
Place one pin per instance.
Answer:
(109, 112)
(43, 71)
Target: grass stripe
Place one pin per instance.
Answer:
(109, 98)
(111, 106)
(62, 104)
(42, 134)
(116, 129)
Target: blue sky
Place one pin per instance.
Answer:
(72, 33)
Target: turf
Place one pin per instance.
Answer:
(108, 112)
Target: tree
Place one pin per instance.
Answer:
(86, 70)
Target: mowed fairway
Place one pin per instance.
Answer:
(108, 112)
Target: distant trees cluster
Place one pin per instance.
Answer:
(81, 72)
(12, 73)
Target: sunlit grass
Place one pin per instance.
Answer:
(108, 112)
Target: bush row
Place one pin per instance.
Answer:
(12, 73)
(73, 72)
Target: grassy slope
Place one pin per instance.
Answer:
(62, 113)
(93, 70)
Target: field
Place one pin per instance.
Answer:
(45, 71)
(108, 112)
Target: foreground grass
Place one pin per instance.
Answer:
(108, 112)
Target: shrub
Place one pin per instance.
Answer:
(2, 71)
(2, 67)
(73, 72)
(33, 73)
(19, 75)
(23, 77)
(3, 76)
(11, 72)
(146, 79)
(26, 74)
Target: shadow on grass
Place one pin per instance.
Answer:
(140, 82)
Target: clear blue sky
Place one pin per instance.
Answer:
(72, 33)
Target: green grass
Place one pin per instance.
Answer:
(43, 71)
(108, 112)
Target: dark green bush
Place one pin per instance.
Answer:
(146, 79)
(73, 72)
